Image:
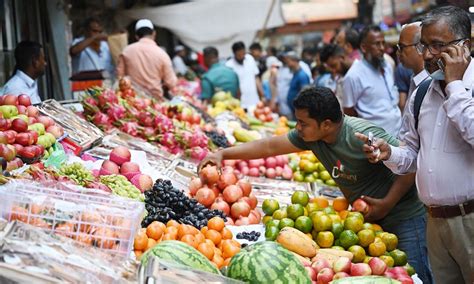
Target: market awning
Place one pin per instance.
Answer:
(320, 10)
(202, 23)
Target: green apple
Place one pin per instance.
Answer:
(8, 111)
(22, 117)
(43, 140)
(38, 127)
(51, 138)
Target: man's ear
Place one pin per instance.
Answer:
(363, 47)
(326, 124)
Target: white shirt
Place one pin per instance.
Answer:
(246, 73)
(416, 81)
(179, 66)
(20, 84)
(89, 59)
(442, 150)
(284, 77)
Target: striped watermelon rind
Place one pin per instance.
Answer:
(180, 253)
(267, 262)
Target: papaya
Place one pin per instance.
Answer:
(296, 241)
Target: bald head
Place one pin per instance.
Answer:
(409, 37)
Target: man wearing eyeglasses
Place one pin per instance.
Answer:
(369, 86)
(440, 147)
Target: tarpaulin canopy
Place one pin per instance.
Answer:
(219, 23)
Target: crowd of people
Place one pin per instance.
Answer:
(417, 174)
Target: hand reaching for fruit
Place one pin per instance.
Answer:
(213, 159)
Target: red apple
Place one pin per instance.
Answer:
(10, 100)
(360, 206)
(46, 121)
(360, 269)
(35, 135)
(19, 125)
(24, 100)
(5, 124)
(18, 147)
(28, 152)
(8, 152)
(377, 266)
(3, 138)
(325, 276)
(25, 139)
(311, 273)
(319, 264)
(342, 264)
(32, 111)
(340, 275)
(21, 109)
(11, 136)
(32, 120)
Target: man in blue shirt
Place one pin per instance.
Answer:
(219, 77)
(30, 65)
(369, 87)
(300, 78)
(91, 52)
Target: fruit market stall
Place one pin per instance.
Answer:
(116, 190)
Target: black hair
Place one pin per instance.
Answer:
(238, 46)
(272, 51)
(365, 32)
(210, 51)
(144, 31)
(90, 20)
(255, 46)
(320, 102)
(352, 37)
(330, 50)
(25, 53)
(457, 19)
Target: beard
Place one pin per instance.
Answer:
(377, 62)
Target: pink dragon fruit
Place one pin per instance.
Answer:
(130, 128)
(107, 97)
(148, 132)
(159, 107)
(176, 150)
(163, 124)
(169, 140)
(140, 103)
(197, 153)
(145, 119)
(198, 139)
(101, 120)
(91, 101)
(116, 112)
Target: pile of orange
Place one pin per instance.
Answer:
(214, 241)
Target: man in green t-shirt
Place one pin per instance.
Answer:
(322, 128)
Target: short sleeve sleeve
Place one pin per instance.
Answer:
(206, 88)
(296, 140)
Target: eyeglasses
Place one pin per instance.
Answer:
(437, 48)
(401, 46)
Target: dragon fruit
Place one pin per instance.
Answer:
(116, 112)
(101, 120)
(163, 123)
(198, 139)
(159, 107)
(107, 97)
(140, 103)
(148, 132)
(169, 140)
(130, 128)
(91, 101)
(176, 150)
(197, 153)
(145, 119)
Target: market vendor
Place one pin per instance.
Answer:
(218, 77)
(323, 129)
(30, 65)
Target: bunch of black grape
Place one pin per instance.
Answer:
(165, 202)
(250, 236)
(218, 139)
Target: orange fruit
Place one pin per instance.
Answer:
(159, 224)
(184, 229)
(172, 223)
(227, 261)
(229, 250)
(154, 231)
(376, 227)
(217, 251)
(204, 230)
(226, 234)
(140, 242)
(207, 250)
(138, 254)
(169, 237)
(209, 242)
(190, 240)
(321, 201)
(216, 223)
(340, 203)
(343, 214)
(151, 243)
(218, 260)
(214, 236)
(200, 238)
(193, 230)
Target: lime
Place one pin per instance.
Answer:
(337, 247)
(320, 181)
(311, 207)
(322, 223)
(335, 218)
(269, 206)
(304, 224)
(324, 175)
(377, 249)
(316, 175)
(310, 167)
(325, 239)
(358, 252)
(390, 240)
(399, 257)
(331, 182)
(279, 214)
(355, 214)
(337, 229)
(271, 233)
(388, 260)
(286, 222)
(410, 270)
(272, 223)
(320, 167)
(309, 178)
(353, 223)
(348, 238)
(329, 210)
(298, 176)
(300, 197)
(312, 158)
(266, 219)
(367, 259)
(337, 243)
(294, 211)
(366, 237)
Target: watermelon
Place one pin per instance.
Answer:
(267, 262)
(366, 280)
(181, 254)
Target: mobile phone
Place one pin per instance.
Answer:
(440, 64)
(371, 141)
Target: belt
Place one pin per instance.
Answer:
(450, 211)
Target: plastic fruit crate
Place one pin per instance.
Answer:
(87, 216)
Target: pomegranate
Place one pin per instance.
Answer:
(239, 209)
(232, 193)
(253, 201)
(209, 175)
(120, 155)
(242, 221)
(205, 196)
(194, 185)
(245, 186)
(226, 179)
(130, 175)
(254, 172)
(220, 204)
(142, 182)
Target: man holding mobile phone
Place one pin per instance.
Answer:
(439, 144)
